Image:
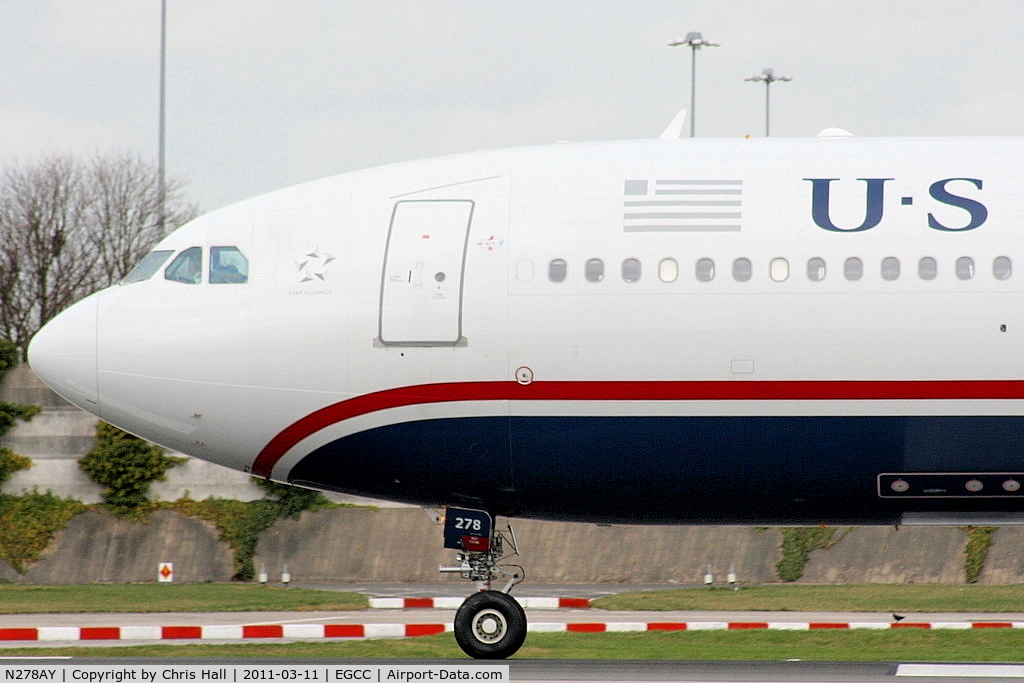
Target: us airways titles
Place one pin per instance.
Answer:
(948, 191)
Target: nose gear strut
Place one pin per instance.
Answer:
(490, 624)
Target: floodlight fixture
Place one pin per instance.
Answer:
(767, 76)
(694, 40)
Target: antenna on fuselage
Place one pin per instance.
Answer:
(675, 129)
(833, 132)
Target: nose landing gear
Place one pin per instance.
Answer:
(490, 624)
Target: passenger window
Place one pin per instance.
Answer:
(147, 267)
(890, 268)
(816, 269)
(594, 270)
(187, 267)
(1002, 268)
(557, 270)
(779, 269)
(965, 267)
(853, 268)
(668, 270)
(524, 270)
(927, 268)
(741, 270)
(228, 266)
(631, 270)
(705, 270)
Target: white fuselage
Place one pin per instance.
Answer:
(574, 309)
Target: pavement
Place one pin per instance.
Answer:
(408, 610)
(132, 628)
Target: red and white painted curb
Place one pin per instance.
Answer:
(629, 626)
(219, 632)
(339, 631)
(455, 603)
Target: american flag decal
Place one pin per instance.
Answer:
(682, 205)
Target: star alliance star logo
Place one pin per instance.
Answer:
(313, 266)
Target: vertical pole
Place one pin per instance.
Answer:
(161, 168)
(767, 107)
(693, 87)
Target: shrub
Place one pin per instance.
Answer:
(28, 523)
(9, 412)
(292, 500)
(9, 356)
(979, 540)
(239, 524)
(125, 466)
(11, 462)
(797, 544)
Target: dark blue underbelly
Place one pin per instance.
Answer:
(718, 470)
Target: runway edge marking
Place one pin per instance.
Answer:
(399, 630)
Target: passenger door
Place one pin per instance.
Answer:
(424, 262)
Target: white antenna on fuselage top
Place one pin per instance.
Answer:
(833, 132)
(675, 129)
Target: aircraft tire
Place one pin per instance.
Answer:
(490, 625)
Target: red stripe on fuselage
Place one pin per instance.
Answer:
(632, 391)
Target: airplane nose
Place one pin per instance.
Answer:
(63, 354)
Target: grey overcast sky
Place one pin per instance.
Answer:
(267, 93)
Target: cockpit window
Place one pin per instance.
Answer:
(186, 267)
(228, 265)
(147, 267)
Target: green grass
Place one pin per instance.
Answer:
(241, 597)
(985, 645)
(856, 598)
(152, 597)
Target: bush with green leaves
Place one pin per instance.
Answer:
(9, 356)
(797, 545)
(979, 540)
(125, 466)
(241, 523)
(9, 412)
(291, 500)
(11, 462)
(28, 523)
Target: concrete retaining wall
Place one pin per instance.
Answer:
(357, 545)
(99, 548)
(889, 555)
(1005, 563)
(405, 546)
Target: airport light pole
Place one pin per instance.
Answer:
(769, 77)
(695, 41)
(161, 187)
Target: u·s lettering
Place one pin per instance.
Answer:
(960, 193)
